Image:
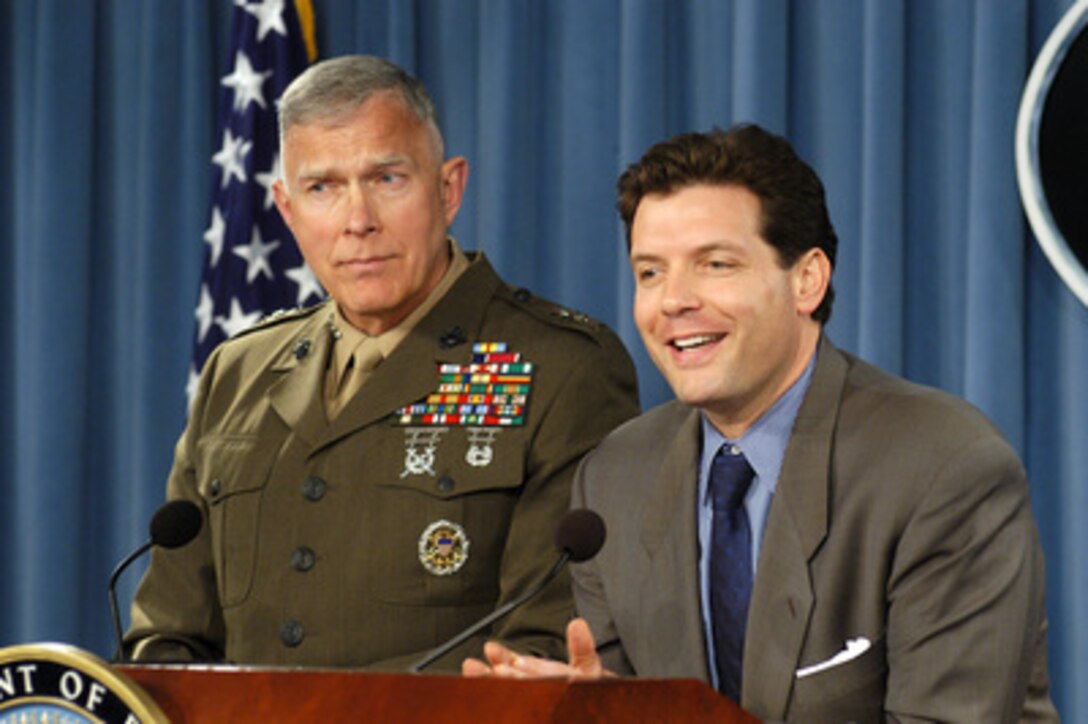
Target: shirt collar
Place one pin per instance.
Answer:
(764, 443)
(349, 337)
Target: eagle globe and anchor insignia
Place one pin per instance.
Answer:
(443, 548)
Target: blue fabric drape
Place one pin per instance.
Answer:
(905, 107)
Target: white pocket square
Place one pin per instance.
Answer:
(854, 648)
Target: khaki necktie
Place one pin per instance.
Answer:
(361, 363)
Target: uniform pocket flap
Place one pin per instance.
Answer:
(230, 466)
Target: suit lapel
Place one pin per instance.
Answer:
(672, 617)
(782, 596)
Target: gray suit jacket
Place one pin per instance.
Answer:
(901, 516)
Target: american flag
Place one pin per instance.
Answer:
(251, 263)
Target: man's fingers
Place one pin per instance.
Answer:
(582, 649)
(475, 669)
(580, 643)
(503, 663)
(497, 654)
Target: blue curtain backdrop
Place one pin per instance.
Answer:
(906, 108)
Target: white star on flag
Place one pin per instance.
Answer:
(269, 14)
(256, 254)
(232, 157)
(214, 235)
(307, 283)
(204, 312)
(246, 83)
(252, 266)
(191, 385)
(238, 321)
(266, 180)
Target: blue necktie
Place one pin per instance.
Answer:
(730, 565)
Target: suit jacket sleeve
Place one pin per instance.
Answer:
(591, 600)
(966, 594)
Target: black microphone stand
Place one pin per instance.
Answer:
(117, 633)
(494, 616)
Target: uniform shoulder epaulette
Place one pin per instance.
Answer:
(280, 316)
(553, 313)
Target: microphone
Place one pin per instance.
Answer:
(579, 536)
(172, 526)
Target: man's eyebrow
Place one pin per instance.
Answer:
(713, 245)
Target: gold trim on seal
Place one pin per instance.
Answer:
(128, 691)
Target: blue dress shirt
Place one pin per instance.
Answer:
(764, 444)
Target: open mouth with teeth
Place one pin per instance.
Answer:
(695, 342)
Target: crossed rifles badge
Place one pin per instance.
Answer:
(489, 393)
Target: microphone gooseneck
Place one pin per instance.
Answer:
(172, 526)
(579, 536)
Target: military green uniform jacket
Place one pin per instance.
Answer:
(316, 533)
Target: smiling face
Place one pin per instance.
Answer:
(369, 202)
(728, 327)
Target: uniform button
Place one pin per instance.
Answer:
(522, 295)
(303, 558)
(313, 488)
(445, 484)
(292, 633)
(216, 486)
(302, 349)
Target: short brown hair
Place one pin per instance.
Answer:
(792, 199)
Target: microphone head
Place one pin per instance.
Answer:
(175, 524)
(580, 533)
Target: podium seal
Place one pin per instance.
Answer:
(49, 682)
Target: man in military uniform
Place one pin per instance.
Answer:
(381, 470)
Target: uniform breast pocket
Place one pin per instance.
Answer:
(233, 473)
(444, 530)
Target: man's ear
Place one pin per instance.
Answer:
(454, 181)
(283, 200)
(811, 276)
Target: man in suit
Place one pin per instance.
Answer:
(880, 559)
(381, 470)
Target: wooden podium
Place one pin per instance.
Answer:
(245, 694)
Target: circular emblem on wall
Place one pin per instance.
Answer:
(1052, 149)
(61, 683)
(443, 548)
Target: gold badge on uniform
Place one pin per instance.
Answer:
(443, 548)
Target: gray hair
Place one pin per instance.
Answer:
(332, 89)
